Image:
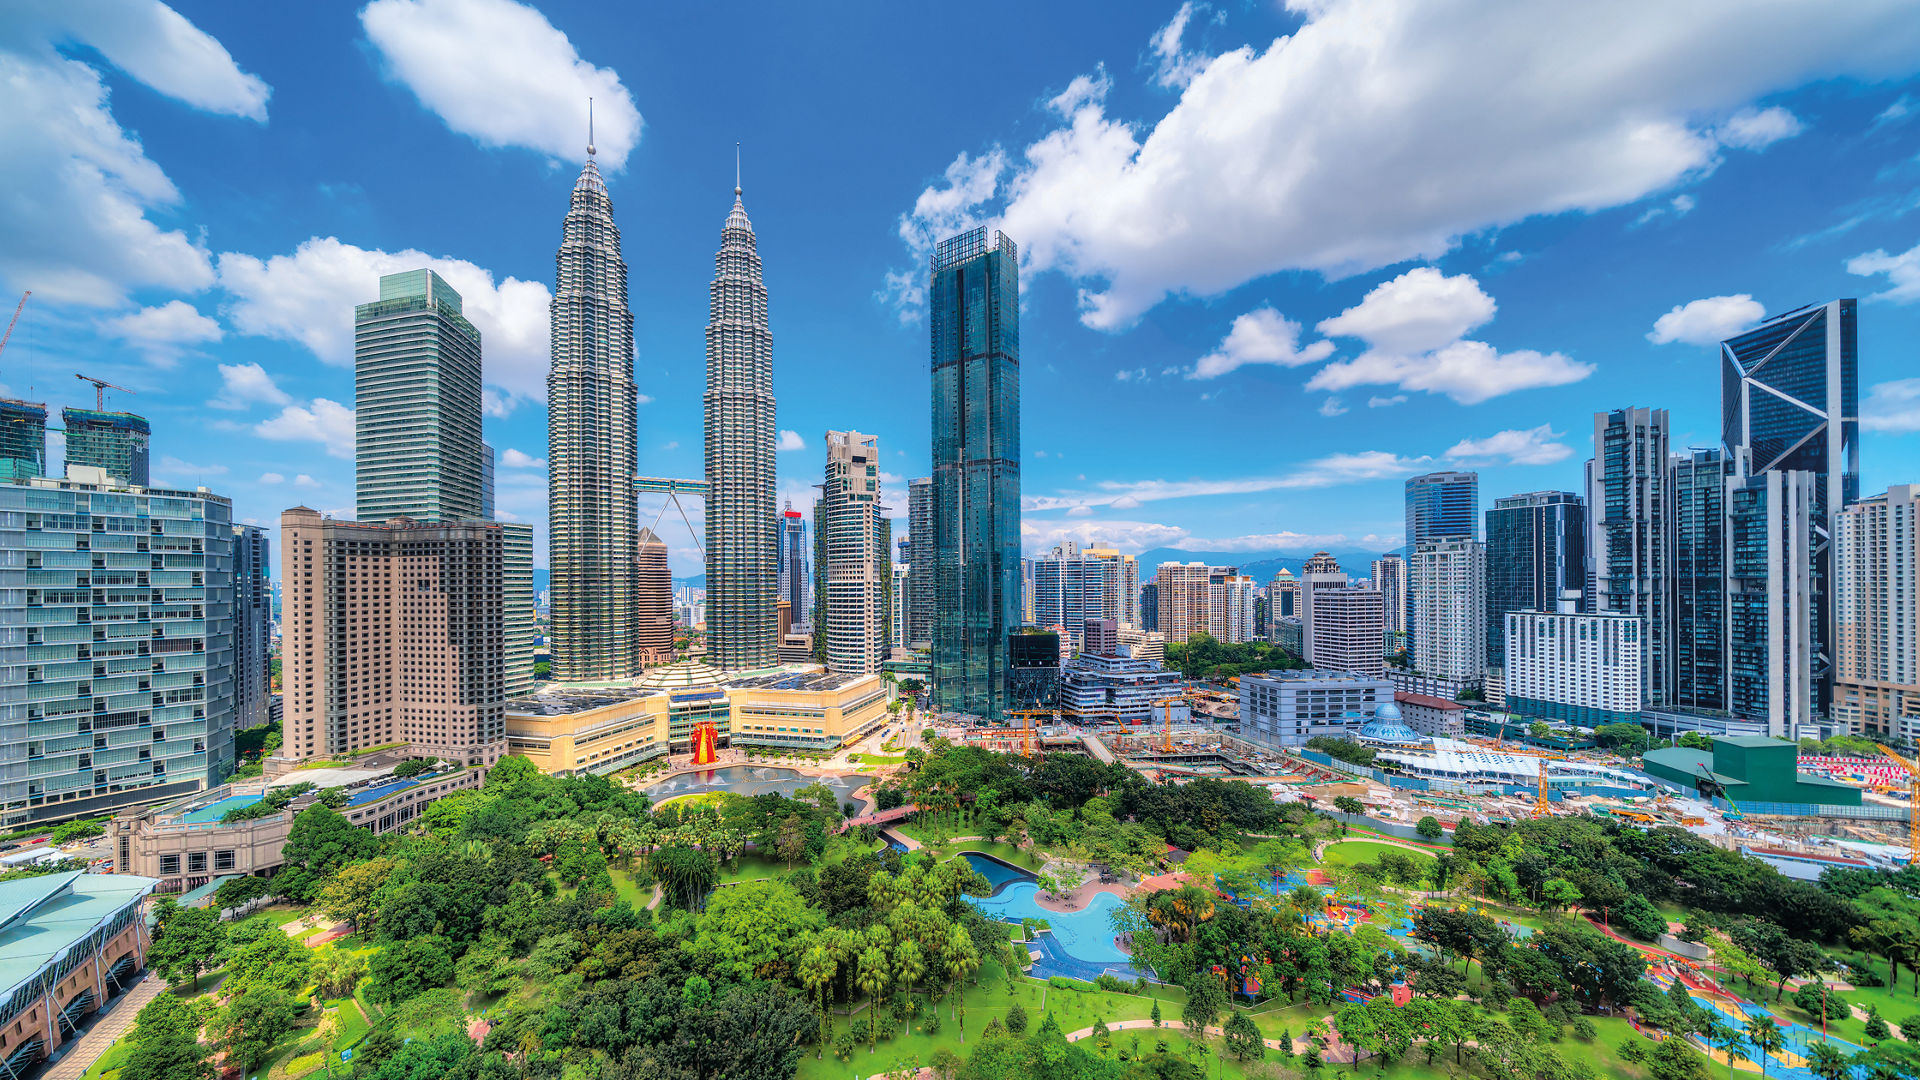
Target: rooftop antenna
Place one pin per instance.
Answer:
(590, 149)
(736, 170)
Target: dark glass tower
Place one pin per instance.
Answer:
(1536, 549)
(1442, 504)
(1629, 541)
(974, 296)
(1698, 490)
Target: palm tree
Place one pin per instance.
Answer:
(962, 960)
(910, 963)
(872, 979)
(1763, 1033)
(816, 971)
(1827, 1061)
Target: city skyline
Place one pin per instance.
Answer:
(1635, 281)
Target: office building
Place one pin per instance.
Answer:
(1389, 576)
(1237, 593)
(974, 315)
(1877, 614)
(1101, 637)
(592, 519)
(1447, 579)
(1790, 401)
(487, 465)
(1536, 552)
(919, 602)
(252, 627)
(520, 625)
(1098, 686)
(1286, 708)
(897, 626)
(416, 404)
(1631, 542)
(1150, 606)
(1034, 658)
(117, 675)
(1772, 612)
(1346, 630)
(653, 585)
(113, 442)
(854, 590)
(1573, 667)
(1698, 489)
(1442, 504)
(1320, 572)
(1290, 634)
(392, 633)
(796, 568)
(23, 439)
(743, 538)
(1071, 586)
(1142, 644)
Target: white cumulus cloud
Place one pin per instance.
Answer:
(308, 298)
(163, 333)
(790, 440)
(1332, 407)
(499, 72)
(1707, 322)
(1902, 270)
(1892, 406)
(328, 423)
(516, 459)
(273, 478)
(1533, 446)
(74, 224)
(243, 386)
(1261, 336)
(1386, 130)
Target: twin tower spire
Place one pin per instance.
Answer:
(592, 430)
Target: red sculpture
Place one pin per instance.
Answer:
(706, 743)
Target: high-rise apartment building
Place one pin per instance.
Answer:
(1321, 571)
(1630, 541)
(853, 593)
(520, 624)
(743, 528)
(1237, 594)
(23, 439)
(919, 602)
(1536, 553)
(796, 574)
(1790, 402)
(416, 404)
(1877, 613)
(1442, 504)
(487, 465)
(1772, 611)
(1577, 668)
(1348, 629)
(1697, 487)
(592, 519)
(897, 626)
(1071, 586)
(113, 442)
(974, 315)
(252, 627)
(653, 584)
(117, 671)
(1191, 599)
(1389, 575)
(392, 633)
(1447, 578)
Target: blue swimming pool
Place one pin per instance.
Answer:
(1086, 935)
(999, 875)
(217, 810)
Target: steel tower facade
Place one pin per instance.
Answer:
(592, 517)
(743, 525)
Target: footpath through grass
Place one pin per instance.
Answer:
(1355, 852)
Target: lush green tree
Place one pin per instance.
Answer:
(1676, 1059)
(337, 971)
(1243, 1038)
(1347, 804)
(165, 1043)
(252, 1022)
(1826, 1061)
(1017, 1019)
(1206, 1000)
(754, 930)
(405, 968)
(241, 890)
(320, 843)
(258, 953)
(349, 894)
(1429, 827)
(686, 873)
(186, 942)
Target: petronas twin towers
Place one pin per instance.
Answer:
(591, 455)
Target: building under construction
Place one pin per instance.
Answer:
(114, 442)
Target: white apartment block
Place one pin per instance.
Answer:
(1320, 572)
(1584, 669)
(1237, 593)
(1390, 580)
(1286, 708)
(1070, 586)
(1877, 616)
(1447, 578)
(1346, 631)
(853, 565)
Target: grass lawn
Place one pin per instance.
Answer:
(1026, 860)
(876, 759)
(626, 889)
(281, 915)
(1071, 1009)
(353, 1025)
(749, 866)
(1354, 852)
(1894, 1005)
(109, 1062)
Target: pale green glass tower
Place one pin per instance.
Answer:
(416, 400)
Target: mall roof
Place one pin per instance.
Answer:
(42, 917)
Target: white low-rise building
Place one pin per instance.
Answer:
(1286, 708)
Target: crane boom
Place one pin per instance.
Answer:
(16, 318)
(100, 388)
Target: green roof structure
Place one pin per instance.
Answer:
(44, 920)
(1749, 768)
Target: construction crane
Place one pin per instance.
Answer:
(1913, 804)
(1734, 812)
(16, 318)
(1540, 808)
(100, 388)
(1167, 742)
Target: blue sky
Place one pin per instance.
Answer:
(1277, 257)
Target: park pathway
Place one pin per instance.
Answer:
(105, 1031)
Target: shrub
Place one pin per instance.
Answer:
(1017, 1019)
(862, 1029)
(931, 1025)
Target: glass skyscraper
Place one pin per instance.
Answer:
(113, 441)
(1699, 618)
(1771, 598)
(23, 439)
(1442, 504)
(416, 404)
(974, 300)
(592, 519)
(796, 578)
(1536, 549)
(743, 524)
(1630, 544)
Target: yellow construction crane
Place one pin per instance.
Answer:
(1167, 742)
(1540, 808)
(1913, 805)
(15, 319)
(100, 388)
